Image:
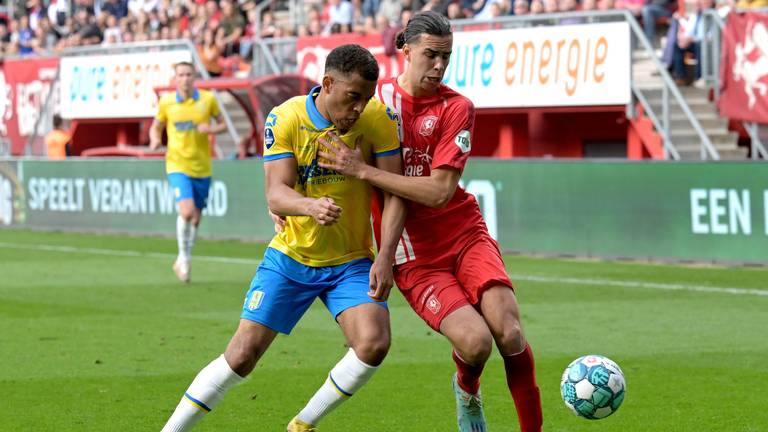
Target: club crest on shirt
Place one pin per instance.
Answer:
(428, 124)
(256, 299)
(433, 304)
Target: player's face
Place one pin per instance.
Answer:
(347, 96)
(428, 59)
(185, 77)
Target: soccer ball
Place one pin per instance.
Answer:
(593, 387)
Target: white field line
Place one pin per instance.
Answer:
(640, 284)
(125, 253)
(515, 277)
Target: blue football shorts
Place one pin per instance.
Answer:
(186, 187)
(283, 289)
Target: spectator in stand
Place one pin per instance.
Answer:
(588, 5)
(210, 52)
(313, 28)
(521, 7)
(340, 12)
(35, 11)
(199, 20)
(391, 10)
(57, 140)
(651, 12)
(116, 8)
(213, 13)
(86, 28)
(371, 7)
(45, 38)
(635, 7)
(232, 23)
(551, 6)
(268, 25)
(58, 12)
(689, 31)
(25, 36)
(5, 37)
(471, 7)
(606, 5)
(88, 5)
(112, 33)
(486, 12)
(439, 6)
(137, 6)
(537, 7)
(454, 11)
(405, 17)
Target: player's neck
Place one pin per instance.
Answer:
(185, 93)
(320, 105)
(413, 89)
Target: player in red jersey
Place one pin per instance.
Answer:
(447, 265)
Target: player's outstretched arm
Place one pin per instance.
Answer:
(433, 191)
(283, 200)
(392, 222)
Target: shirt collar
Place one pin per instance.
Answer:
(317, 119)
(195, 96)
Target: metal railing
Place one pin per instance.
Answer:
(274, 56)
(711, 48)
(143, 47)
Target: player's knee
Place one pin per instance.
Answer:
(241, 360)
(475, 346)
(372, 350)
(511, 340)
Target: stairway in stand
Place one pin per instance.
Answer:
(684, 137)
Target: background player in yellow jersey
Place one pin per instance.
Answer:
(325, 249)
(187, 115)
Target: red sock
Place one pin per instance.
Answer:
(521, 379)
(468, 376)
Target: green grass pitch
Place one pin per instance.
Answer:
(97, 335)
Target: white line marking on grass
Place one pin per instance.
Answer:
(640, 284)
(125, 253)
(519, 277)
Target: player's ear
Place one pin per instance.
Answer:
(327, 83)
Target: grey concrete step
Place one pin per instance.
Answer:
(694, 153)
(697, 110)
(679, 121)
(691, 138)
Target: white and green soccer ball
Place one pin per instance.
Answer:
(593, 387)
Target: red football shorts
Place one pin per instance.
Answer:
(436, 291)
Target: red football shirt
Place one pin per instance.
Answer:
(435, 132)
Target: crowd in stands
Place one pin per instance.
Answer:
(223, 29)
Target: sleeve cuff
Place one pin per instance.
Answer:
(387, 153)
(268, 158)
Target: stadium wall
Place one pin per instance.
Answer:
(681, 211)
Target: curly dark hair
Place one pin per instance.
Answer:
(353, 58)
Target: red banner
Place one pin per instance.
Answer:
(24, 86)
(744, 68)
(312, 51)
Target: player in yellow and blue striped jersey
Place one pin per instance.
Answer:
(187, 114)
(325, 249)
